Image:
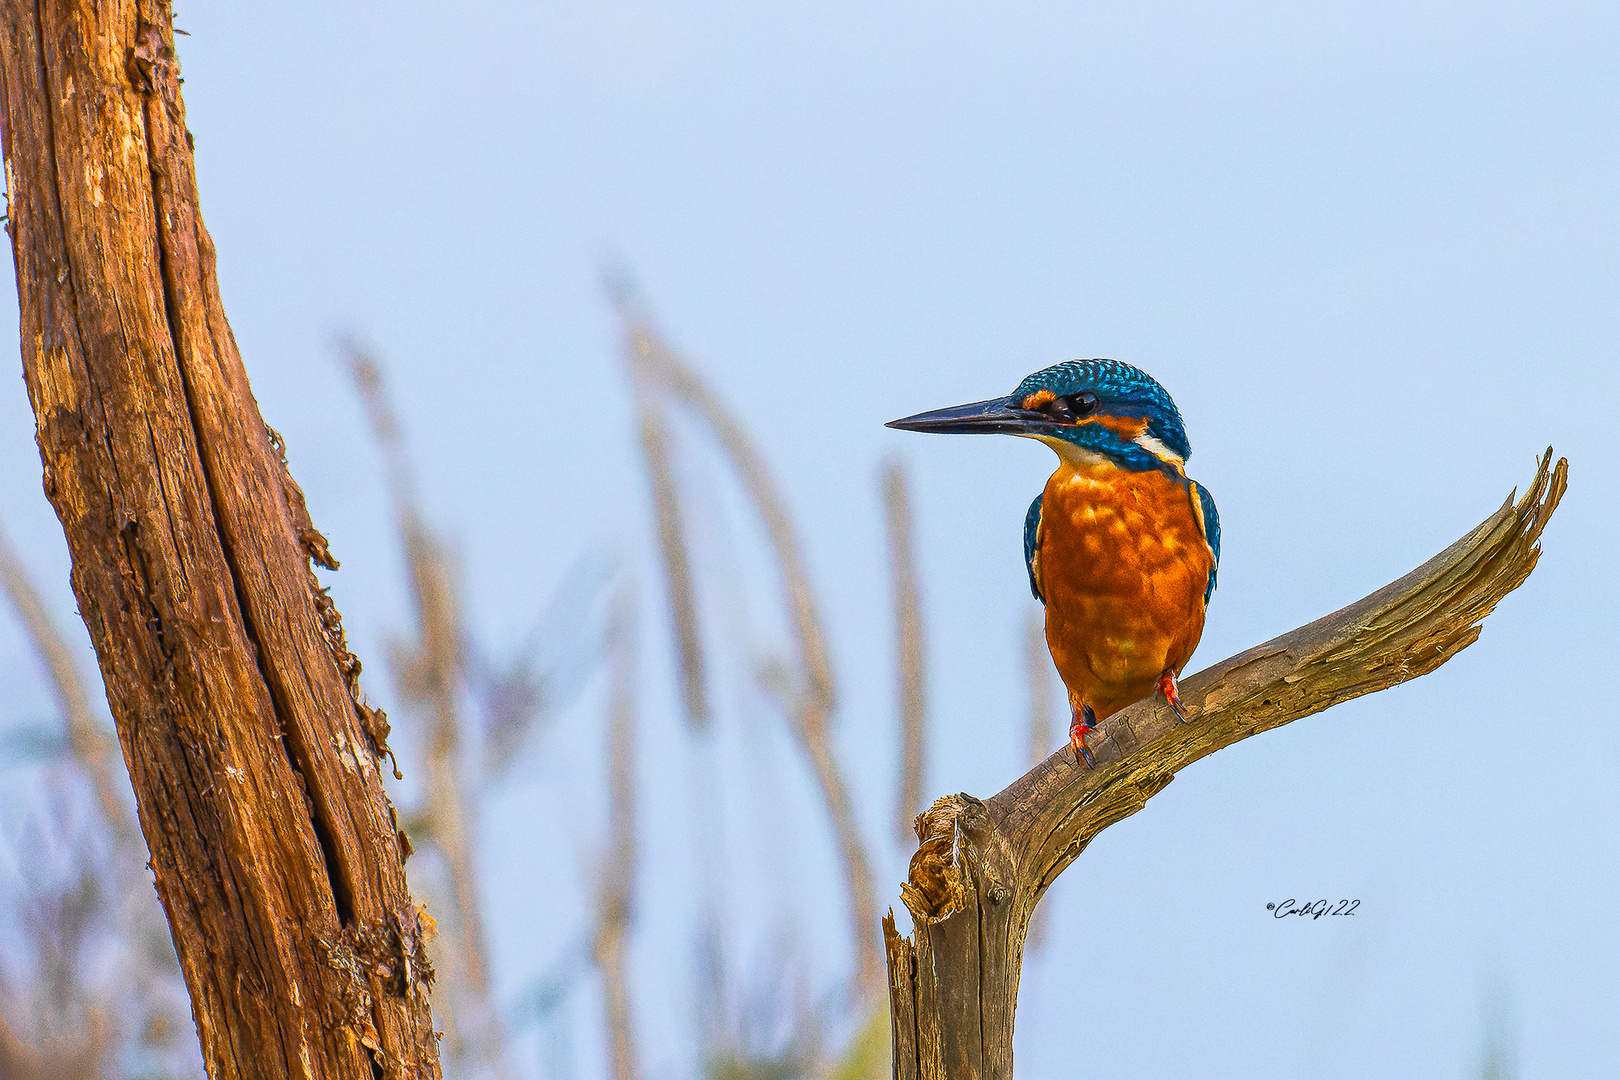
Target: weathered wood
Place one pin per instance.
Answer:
(903, 998)
(981, 867)
(255, 767)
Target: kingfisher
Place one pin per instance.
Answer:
(1121, 545)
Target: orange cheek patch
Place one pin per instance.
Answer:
(1127, 427)
(1037, 399)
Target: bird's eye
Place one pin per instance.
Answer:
(1083, 403)
(1072, 406)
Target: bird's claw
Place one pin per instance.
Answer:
(1078, 744)
(1167, 687)
(1077, 736)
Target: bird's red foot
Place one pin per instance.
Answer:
(1167, 687)
(1077, 735)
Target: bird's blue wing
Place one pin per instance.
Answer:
(1212, 533)
(1032, 536)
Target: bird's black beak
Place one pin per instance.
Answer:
(999, 416)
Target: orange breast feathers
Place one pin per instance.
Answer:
(1123, 565)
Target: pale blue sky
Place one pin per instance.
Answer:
(1370, 249)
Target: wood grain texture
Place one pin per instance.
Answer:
(982, 865)
(255, 768)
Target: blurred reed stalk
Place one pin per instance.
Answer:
(811, 703)
(1038, 667)
(105, 898)
(615, 894)
(656, 452)
(909, 650)
(63, 1014)
(430, 675)
(79, 1059)
(86, 739)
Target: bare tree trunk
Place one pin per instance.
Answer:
(254, 765)
(982, 866)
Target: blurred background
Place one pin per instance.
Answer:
(503, 274)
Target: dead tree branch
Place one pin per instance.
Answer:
(233, 692)
(981, 866)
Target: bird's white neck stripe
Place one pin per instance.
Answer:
(1160, 451)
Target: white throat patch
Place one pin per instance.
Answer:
(1079, 457)
(1161, 451)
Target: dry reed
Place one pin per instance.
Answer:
(811, 701)
(909, 650)
(431, 675)
(615, 895)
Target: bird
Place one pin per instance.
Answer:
(1121, 546)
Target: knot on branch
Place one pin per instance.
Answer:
(350, 957)
(934, 886)
(381, 957)
(960, 849)
(146, 56)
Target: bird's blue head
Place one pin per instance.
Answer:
(1082, 408)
